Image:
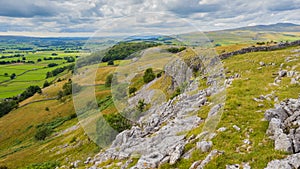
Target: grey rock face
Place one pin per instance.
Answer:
(284, 126)
(179, 70)
(157, 139)
(150, 161)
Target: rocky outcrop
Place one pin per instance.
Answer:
(284, 126)
(159, 133)
(160, 137)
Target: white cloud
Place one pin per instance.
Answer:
(79, 16)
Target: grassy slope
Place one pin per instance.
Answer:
(225, 38)
(18, 127)
(18, 147)
(243, 111)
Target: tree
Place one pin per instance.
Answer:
(7, 106)
(5, 74)
(52, 64)
(13, 76)
(108, 80)
(46, 84)
(111, 62)
(148, 75)
(30, 91)
(39, 60)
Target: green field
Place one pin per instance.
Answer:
(28, 74)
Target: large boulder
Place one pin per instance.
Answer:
(291, 162)
(204, 146)
(283, 143)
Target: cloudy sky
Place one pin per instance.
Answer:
(84, 17)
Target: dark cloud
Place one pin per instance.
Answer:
(283, 5)
(27, 8)
(185, 8)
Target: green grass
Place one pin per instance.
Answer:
(241, 110)
(27, 74)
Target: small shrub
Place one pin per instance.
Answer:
(45, 165)
(52, 64)
(73, 140)
(141, 105)
(176, 50)
(13, 76)
(132, 90)
(159, 74)
(42, 133)
(117, 122)
(148, 75)
(47, 109)
(176, 93)
(3, 167)
(111, 62)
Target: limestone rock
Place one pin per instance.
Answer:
(174, 157)
(283, 142)
(282, 73)
(262, 63)
(234, 166)
(290, 162)
(209, 157)
(204, 146)
(150, 161)
(275, 113)
(222, 129)
(284, 126)
(236, 128)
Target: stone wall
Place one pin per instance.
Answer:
(260, 48)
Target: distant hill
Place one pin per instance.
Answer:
(278, 27)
